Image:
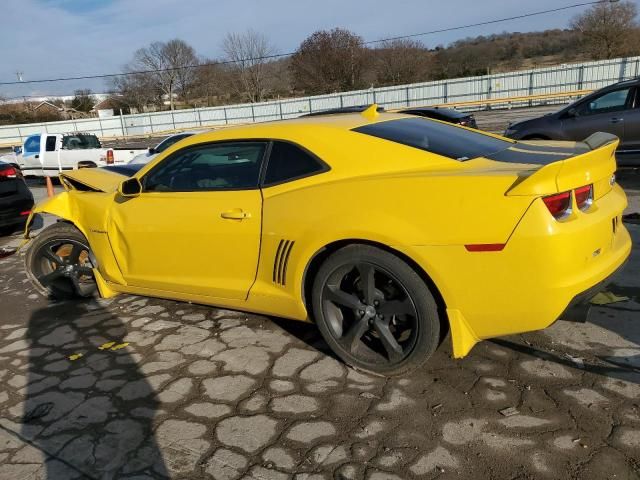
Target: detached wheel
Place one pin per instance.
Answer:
(60, 264)
(374, 311)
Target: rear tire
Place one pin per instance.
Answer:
(59, 263)
(374, 311)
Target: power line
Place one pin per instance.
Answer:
(281, 55)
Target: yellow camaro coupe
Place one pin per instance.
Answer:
(385, 230)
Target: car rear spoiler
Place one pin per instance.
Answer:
(593, 164)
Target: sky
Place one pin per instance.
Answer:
(61, 38)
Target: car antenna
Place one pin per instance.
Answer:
(371, 113)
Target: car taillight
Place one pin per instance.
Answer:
(559, 204)
(584, 197)
(9, 172)
(109, 157)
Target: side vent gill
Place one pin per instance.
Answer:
(281, 261)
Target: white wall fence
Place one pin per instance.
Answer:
(541, 81)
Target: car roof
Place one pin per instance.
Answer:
(343, 122)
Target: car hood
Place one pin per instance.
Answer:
(91, 179)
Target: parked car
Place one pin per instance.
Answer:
(614, 109)
(128, 170)
(445, 114)
(341, 110)
(16, 200)
(46, 154)
(149, 155)
(371, 225)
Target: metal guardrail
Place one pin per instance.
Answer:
(522, 88)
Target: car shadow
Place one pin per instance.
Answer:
(88, 408)
(606, 369)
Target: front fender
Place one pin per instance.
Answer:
(86, 211)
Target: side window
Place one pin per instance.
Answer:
(50, 146)
(221, 166)
(288, 162)
(32, 145)
(609, 102)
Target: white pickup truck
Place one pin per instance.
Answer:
(47, 154)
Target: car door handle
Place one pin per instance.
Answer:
(37, 156)
(616, 120)
(235, 214)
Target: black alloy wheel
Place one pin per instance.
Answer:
(375, 311)
(60, 263)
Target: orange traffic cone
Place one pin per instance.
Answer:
(50, 192)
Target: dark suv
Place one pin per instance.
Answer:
(614, 109)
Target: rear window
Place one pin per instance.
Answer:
(80, 142)
(440, 138)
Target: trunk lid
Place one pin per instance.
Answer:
(563, 167)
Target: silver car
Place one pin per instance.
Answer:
(614, 109)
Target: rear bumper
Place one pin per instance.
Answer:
(579, 307)
(12, 207)
(545, 266)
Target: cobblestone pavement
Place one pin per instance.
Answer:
(144, 388)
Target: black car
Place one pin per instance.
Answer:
(16, 200)
(338, 110)
(128, 169)
(614, 109)
(445, 114)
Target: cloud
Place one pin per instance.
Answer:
(59, 38)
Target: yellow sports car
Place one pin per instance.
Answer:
(386, 230)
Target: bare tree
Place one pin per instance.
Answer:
(170, 67)
(402, 61)
(329, 61)
(212, 83)
(248, 53)
(137, 91)
(608, 29)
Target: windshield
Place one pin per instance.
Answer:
(436, 137)
(167, 142)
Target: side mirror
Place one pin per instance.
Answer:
(130, 188)
(152, 150)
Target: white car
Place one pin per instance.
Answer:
(149, 155)
(47, 154)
